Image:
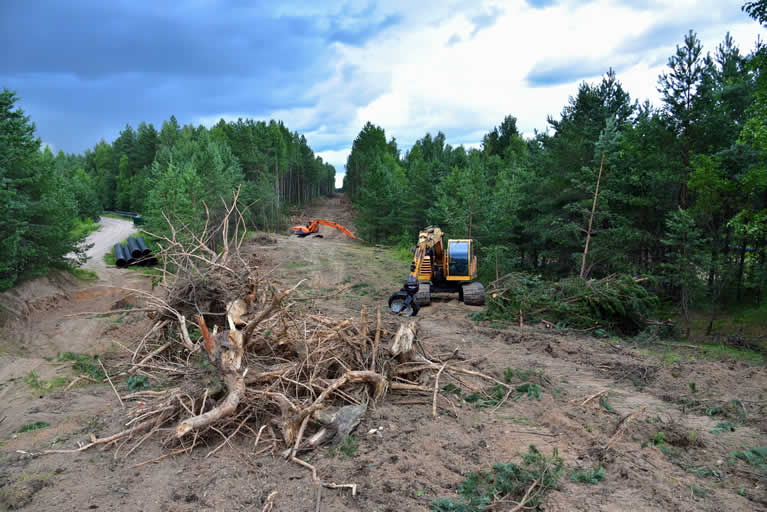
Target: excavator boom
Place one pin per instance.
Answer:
(314, 226)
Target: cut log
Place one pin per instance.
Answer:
(402, 348)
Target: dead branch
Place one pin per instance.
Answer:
(622, 425)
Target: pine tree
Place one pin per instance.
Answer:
(38, 207)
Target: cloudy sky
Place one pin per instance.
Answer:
(85, 68)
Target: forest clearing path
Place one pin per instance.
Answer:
(667, 458)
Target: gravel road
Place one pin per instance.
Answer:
(111, 232)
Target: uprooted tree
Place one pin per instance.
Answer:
(244, 359)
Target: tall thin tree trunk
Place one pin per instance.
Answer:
(591, 218)
(740, 266)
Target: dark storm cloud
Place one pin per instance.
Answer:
(92, 39)
(549, 73)
(84, 69)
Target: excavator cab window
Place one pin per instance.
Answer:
(458, 258)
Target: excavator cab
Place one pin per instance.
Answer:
(458, 258)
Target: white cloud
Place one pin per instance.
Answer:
(434, 72)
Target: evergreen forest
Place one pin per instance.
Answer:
(676, 192)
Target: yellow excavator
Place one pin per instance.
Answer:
(437, 268)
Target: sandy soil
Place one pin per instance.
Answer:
(404, 458)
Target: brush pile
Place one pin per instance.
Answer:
(230, 355)
(617, 303)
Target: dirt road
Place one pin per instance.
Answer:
(112, 231)
(664, 429)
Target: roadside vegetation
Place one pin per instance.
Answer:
(619, 216)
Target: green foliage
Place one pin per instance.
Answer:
(606, 405)
(38, 208)
(619, 303)
(724, 426)
(505, 482)
(137, 383)
(756, 457)
(84, 275)
(84, 364)
(590, 476)
(533, 391)
(33, 380)
(488, 398)
(83, 227)
(30, 427)
(700, 492)
(347, 446)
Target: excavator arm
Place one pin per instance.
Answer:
(403, 301)
(314, 226)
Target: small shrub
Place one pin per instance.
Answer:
(451, 389)
(84, 364)
(33, 380)
(606, 405)
(591, 476)
(505, 482)
(700, 492)
(756, 457)
(137, 382)
(37, 425)
(533, 391)
(347, 446)
(724, 426)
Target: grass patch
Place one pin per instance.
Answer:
(33, 380)
(31, 427)
(84, 227)
(297, 264)
(756, 457)
(700, 492)
(606, 405)
(81, 274)
(505, 483)
(116, 216)
(402, 254)
(137, 382)
(590, 476)
(348, 446)
(84, 364)
(496, 394)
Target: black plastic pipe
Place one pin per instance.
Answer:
(134, 249)
(146, 251)
(120, 260)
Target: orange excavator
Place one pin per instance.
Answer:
(312, 229)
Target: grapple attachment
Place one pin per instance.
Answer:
(403, 303)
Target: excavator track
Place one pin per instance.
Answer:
(423, 295)
(474, 294)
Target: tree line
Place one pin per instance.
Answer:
(676, 191)
(181, 172)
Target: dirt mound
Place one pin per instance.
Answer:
(40, 294)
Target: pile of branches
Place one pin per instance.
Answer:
(617, 303)
(261, 367)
